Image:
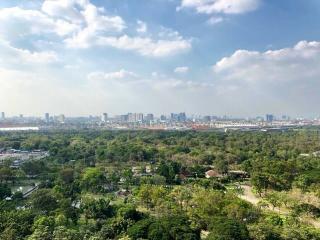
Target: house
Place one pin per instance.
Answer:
(213, 174)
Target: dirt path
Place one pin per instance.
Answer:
(249, 196)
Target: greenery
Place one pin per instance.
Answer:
(151, 185)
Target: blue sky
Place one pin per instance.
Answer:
(233, 57)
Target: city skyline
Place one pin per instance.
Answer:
(240, 58)
(138, 116)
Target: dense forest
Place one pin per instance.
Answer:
(153, 185)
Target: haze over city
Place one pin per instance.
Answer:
(216, 57)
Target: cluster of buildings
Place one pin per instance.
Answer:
(173, 121)
(18, 157)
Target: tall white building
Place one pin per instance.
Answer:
(3, 115)
(61, 118)
(135, 117)
(104, 117)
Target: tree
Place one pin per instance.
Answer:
(182, 196)
(169, 170)
(95, 209)
(260, 182)
(5, 191)
(223, 228)
(67, 175)
(140, 229)
(6, 174)
(221, 166)
(43, 228)
(93, 179)
(44, 200)
(274, 199)
(171, 228)
(63, 233)
(33, 168)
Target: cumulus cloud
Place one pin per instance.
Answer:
(119, 75)
(16, 22)
(81, 24)
(147, 46)
(181, 69)
(142, 27)
(220, 6)
(244, 83)
(246, 64)
(286, 79)
(10, 54)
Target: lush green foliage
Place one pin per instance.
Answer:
(152, 185)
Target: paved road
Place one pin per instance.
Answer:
(28, 193)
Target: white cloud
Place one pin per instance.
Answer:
(147, 46)
(220, 6)
(83, 13)
(14, 55)
(81, 24)
(66, 9)
(303, 54)
(120, 75)
(276, 80)
(181, 69)
(16, 22)
(215, 20)
(284, 81)
(93, 21)
(142, 27)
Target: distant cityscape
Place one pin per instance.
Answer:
(173, 121)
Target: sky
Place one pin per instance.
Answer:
(209, 57)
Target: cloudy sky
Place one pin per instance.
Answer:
(233, 57)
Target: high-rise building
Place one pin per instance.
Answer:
(3, 115)
(123, 118)
(163, 118)
(174, 117)
(149, 117)
(104, 117)
(47, 117)
(131, 117)
(139, 117)
(61, 118)
(269, 118)
(135, 117)
(182, 117)
(207, 118)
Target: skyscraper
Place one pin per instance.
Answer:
(47, 117)
(269, 118)
(139, 117)
(3, 115)
(104, 117)
(149, 117)
(174, 117)
(163, 118)
(131, 117)
(61, 118)
(182, 117)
